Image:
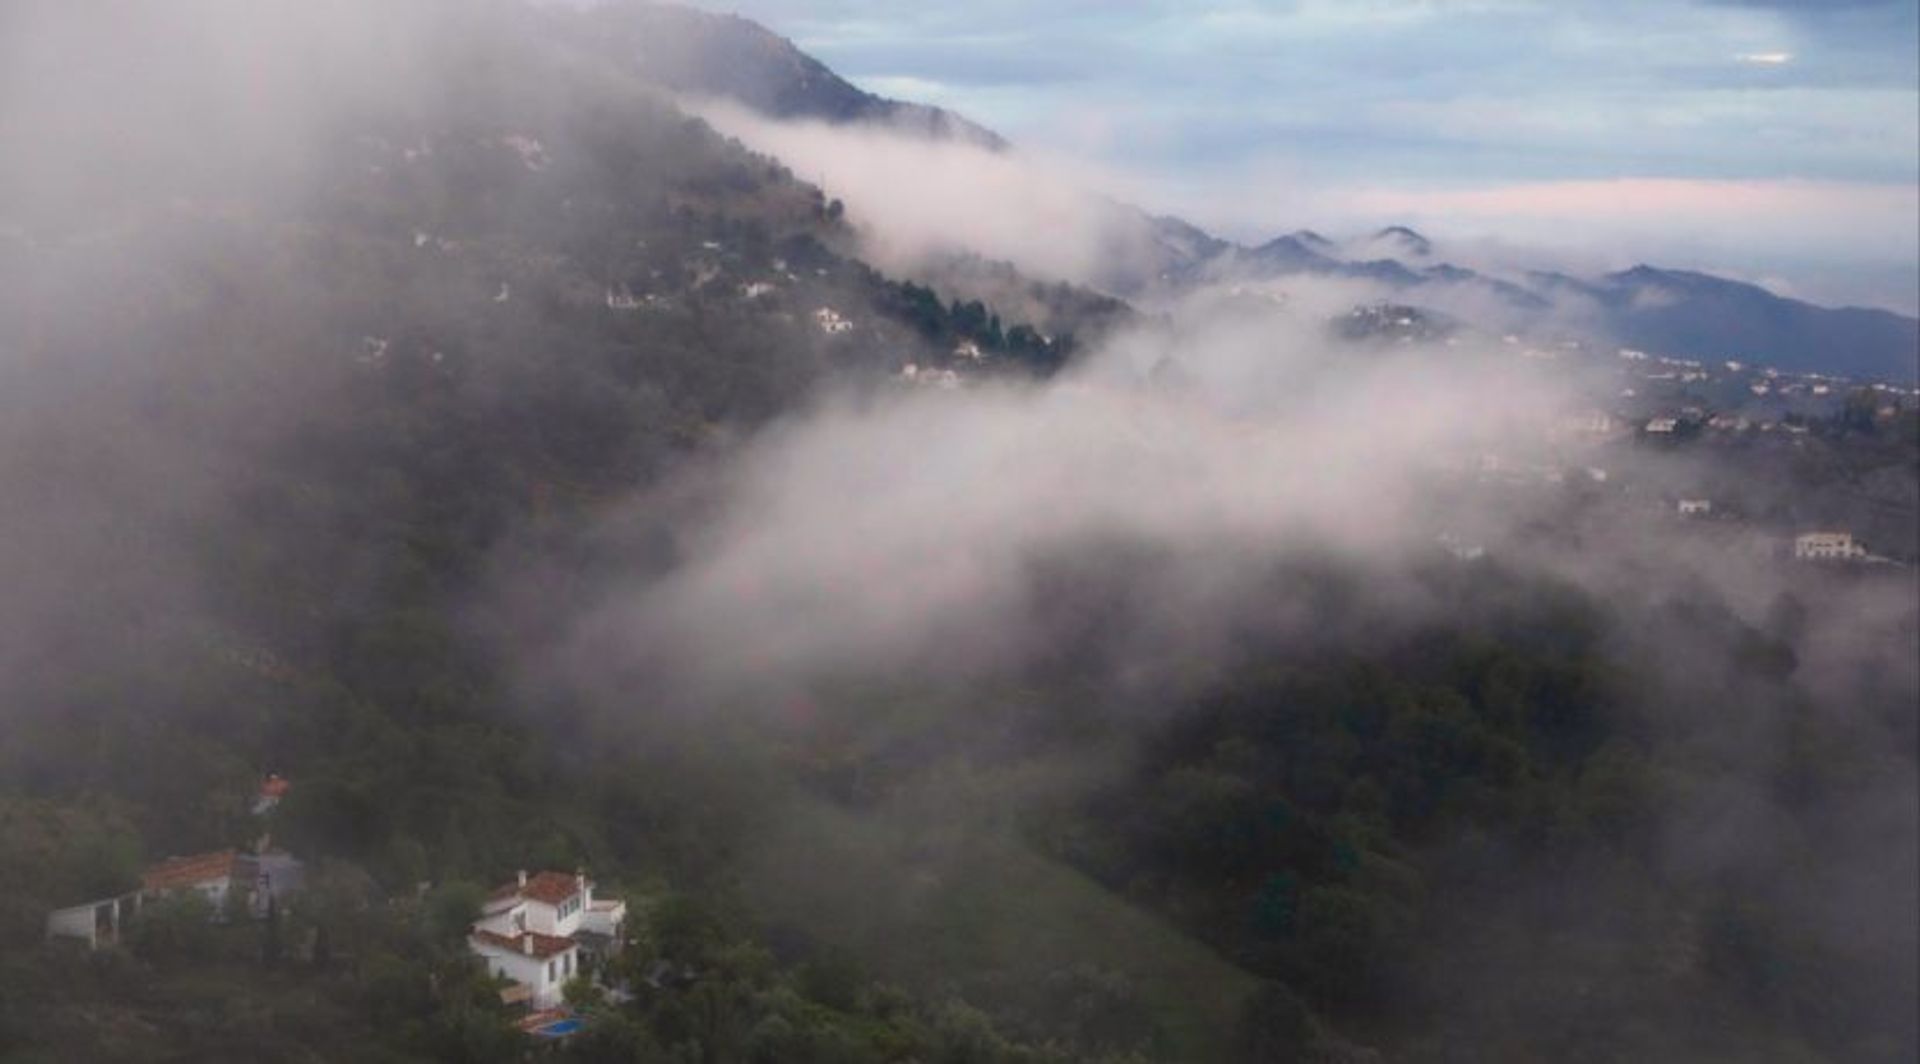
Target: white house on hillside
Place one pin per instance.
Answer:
(211, 875)
(214, 876)
(538, 965)
(1827, 546)
(535, 931)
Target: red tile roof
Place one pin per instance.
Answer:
(275, 787)
(176, 873)
(544, 946)
(551, 888)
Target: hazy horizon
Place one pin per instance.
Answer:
(1771, 142)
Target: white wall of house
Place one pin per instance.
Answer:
(563, 919)
(97, 923)
(544, 976)
(605, 918)
(81, 922)
(215, 891)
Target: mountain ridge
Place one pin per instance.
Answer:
(1724, 319)
(693, 51)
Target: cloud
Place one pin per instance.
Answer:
(917, 201)
(902, 535)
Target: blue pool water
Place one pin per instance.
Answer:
(560, 1029)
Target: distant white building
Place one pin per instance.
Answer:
(1695, 507)
(533, 154)
(930, 377)
(831, 322)
(1663, 426)
(535, 932)
(1591, 423)
(216, 877)
(1827, 546)
(1460, 549)
(96, 923)
(622, 298)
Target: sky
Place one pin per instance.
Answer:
(1773, 140)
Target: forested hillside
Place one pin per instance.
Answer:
(332, 449)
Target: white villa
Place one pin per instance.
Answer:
(535, 932)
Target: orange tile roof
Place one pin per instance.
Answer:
(175, 873)
(544, 946)
(551, 888)
(275, 787)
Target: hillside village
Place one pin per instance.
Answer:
(535, 936)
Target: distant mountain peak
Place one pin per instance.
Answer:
(1405, 240)
(728, 56)
(1311, 239)
(1292, 252)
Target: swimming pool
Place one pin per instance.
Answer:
(559, 1029)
